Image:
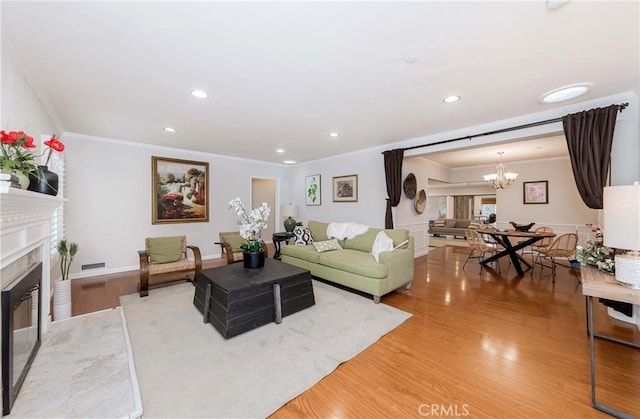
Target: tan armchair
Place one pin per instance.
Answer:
(230, 242)
(166, 257)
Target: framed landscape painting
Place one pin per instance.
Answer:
(179, 191)
(345, 188)
(312, 191)
(536, 192)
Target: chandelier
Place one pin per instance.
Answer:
(500, 179)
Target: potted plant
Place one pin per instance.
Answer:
(15, 157)
(251, 224)
(62, 287)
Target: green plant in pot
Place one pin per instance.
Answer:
(62, 288)
(66, 251)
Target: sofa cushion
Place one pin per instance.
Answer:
(318, 230)
(362, 242)
(164, 249)
(474, 225)
(438, 223)
(450, 223)
(398, 236)
(308, 253)
(302, 235)
(462, 223)
(327, 245)
(354, 261)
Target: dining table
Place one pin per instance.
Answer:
(504, 238)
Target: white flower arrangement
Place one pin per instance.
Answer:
(251, 224)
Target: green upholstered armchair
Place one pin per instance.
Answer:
(166, 257)
(230, 242)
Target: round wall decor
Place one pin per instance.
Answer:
(421, 201)
(409, 186)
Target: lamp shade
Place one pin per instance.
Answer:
(289, 210)
(621, 217)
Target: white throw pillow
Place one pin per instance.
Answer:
(382, 243)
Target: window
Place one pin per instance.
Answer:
(56, 164)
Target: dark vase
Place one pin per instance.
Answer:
(47, 183)
(253, 260)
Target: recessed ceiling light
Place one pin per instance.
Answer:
(289, 162)
(334, 134)
(556, 4)
(169, 129)
(411, 59)
(564, 93)
(201, 94)
(280, 150)
(451, 99)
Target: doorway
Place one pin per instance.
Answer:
(265, 190)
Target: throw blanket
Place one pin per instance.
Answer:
(345, 230)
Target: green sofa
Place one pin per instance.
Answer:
(354, 266)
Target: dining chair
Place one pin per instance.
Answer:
(540, 245)
(477, 243)
(563, 246)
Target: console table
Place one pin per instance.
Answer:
(597, 284)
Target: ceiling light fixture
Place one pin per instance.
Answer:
(500, 179)
(334, 134)
(451, 99)
(565, 93)
(200, 94)
(280, 150)
(289, 162)
(169, 129)
(556, 4)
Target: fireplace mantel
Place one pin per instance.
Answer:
(25, 221)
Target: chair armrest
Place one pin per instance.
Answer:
(228, 250)
(143, 255)
(399, 267)
(196, 256)
(143, 284)
(222, 250)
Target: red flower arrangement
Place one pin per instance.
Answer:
(15, 147)
(16, 155)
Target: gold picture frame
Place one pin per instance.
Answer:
(345, 188)
(179, 191)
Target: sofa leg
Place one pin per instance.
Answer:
(408, 286)
(376, 299)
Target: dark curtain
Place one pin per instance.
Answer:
(393, 175)
(589, 137)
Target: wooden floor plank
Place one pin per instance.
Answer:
(492, 343)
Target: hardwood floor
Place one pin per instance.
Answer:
(477, 345)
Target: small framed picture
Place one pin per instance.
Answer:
(312, 190)
(536, 192)
(345, 188)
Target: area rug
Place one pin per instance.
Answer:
(187, 369)
(83, 369)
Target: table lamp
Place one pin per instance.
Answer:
(621, 218)
(289, 211)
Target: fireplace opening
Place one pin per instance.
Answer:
(20, 332)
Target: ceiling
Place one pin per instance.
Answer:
(286, 74)
(541, 148)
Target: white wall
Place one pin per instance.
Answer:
(110, 193)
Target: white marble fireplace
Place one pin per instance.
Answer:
(25, 231)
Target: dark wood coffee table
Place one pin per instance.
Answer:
(235, 300)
